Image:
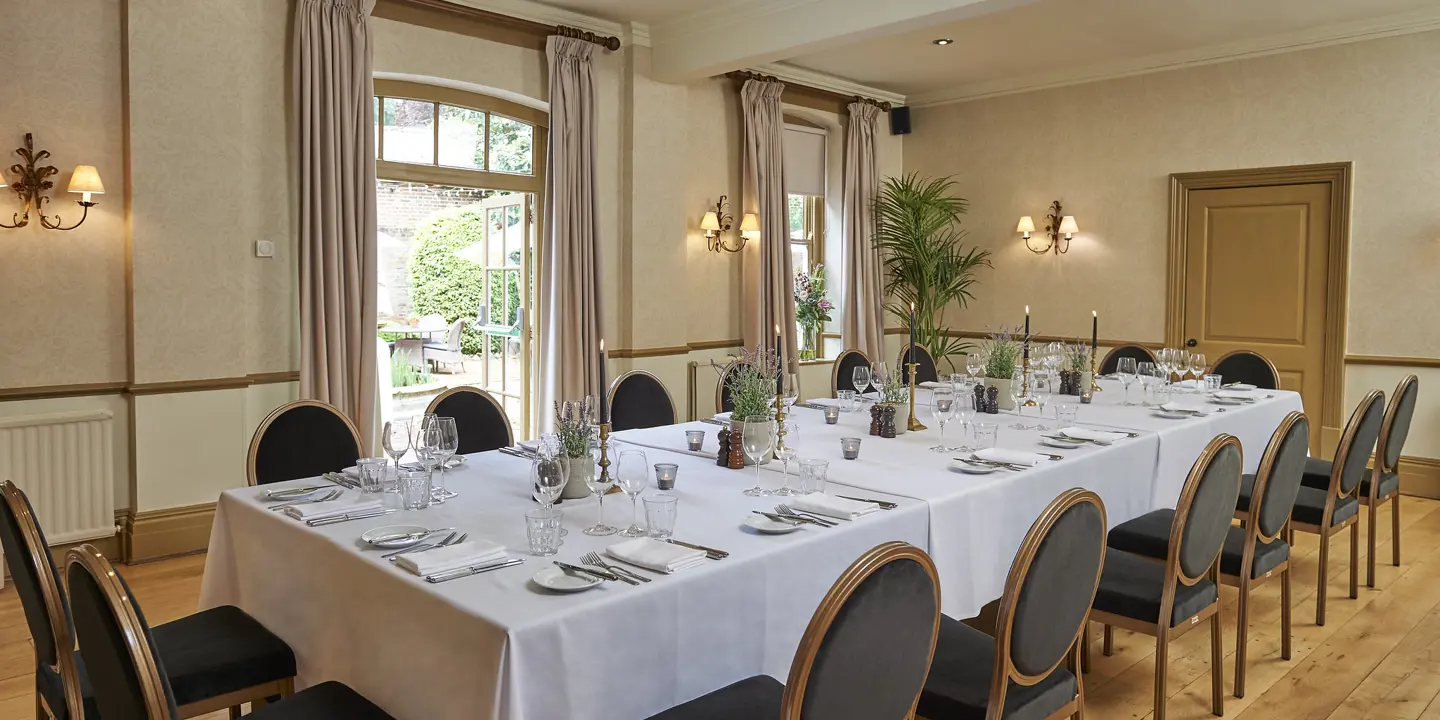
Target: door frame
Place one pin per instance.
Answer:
(1338, 177)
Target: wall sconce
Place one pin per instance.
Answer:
(33, 184)
(719, 221)
(1056, 224)
(750, 227)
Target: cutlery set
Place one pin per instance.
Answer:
(621, 573)
(347, 517)
(453, 538)
(327, 495)
(787, 511)
(988, 463)
(458, 573)
(1067, 438)
(884, 504)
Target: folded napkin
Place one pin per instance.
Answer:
(1089, 434)
(824, 402)
(1239, 386)
(531, 445)
(1010, 457)
(355, 503)
(652, 554)
(1184, 407)
(451, 557)
(831, 506)
(1237, 394)
(722, 417)
(932, 384)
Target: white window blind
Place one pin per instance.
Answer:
(804, 160)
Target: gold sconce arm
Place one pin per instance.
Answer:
(34, 182)
(715, 223)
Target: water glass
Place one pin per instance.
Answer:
(832, 414)
(1127, 372)
(847, 400)
(1067, 414)
(542, 529)
(1162, 394)
(414, 488)
(372, 474)
(694, 440)
(1212, 383)
(850, 447)
(665, 475)
(986, 434)
(660, 515)
(812, 476)
(942, 406)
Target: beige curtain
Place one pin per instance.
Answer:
(568, 306)
(864, 326)
(336, 154)
(769, 279)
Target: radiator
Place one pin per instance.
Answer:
(65, 463)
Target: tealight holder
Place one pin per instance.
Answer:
(694, 440)
(850, 447)
(832, 415)
(665, 475)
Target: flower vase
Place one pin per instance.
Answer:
(808, 342)
(582, 469)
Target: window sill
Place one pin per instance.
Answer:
(817, 361)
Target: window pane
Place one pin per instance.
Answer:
(797, 217)
(514, 235)
(462, 137)
(495, 230)
(800, 257)
(375, 119)
(510, 142)
(409, 131)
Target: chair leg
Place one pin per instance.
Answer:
(234, 712)
(1085, 648)
(1080, 689)
(1217, 662)
(1370, 549)
(1354, 560)
(1285, 614)
(1242, 627)
(1395, 528)
(1162, 652)
(1320, 585)
(1108, 648)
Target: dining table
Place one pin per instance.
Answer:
(497, 645)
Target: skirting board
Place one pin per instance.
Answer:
(155, 534)
(1420, 476)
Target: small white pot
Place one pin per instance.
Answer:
(581, 470)
(1005, 401)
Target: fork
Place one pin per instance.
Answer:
(329, 495)
(449, 540)
(593, 558)
(784, 509)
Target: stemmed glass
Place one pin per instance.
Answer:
(790, 389)
(632, 472)
(395, 438)
(860, 376)
(942, 405)
(786, 452)
(965, 410)
(598, 484)
(1040, 390)
(548, 477)
(1149, 377)
(757, 438)
(1017, 390)
(1197, 367)
(974, 363)
(449, 444)
(879, 374)
(427, 449)
(1126, 371)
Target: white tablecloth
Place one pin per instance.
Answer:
(496, 646)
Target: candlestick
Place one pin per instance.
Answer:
(910, 354)
(779, 423)
(1094, 385)
(604, 396)
(604, 452)
(1025, 383)
(1094, 329)
(914, 423)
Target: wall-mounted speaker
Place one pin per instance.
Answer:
(900, 120)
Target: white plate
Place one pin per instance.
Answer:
(969, 469)
(370, 535)
(760, 523)
(1174, 415)
(1227, 401)
(1239, 386)
(1052, 442)
(557, 579)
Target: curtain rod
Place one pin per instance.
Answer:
(743, 75)
(609, 42)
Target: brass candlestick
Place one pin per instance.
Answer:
(779, 423)
(1094, 384)
(1025, 382)
(604, 452)
(914, 423)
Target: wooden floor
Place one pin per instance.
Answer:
(1376, 658)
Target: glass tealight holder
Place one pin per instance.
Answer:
(694, 440)
(850, 447)
(847, 400)
(812, 476)
(832, 415)
(372, 474)
(665, 475)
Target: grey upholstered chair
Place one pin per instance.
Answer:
(1167, 599)
(131, 679)
(302, 439)
(1112, 358)
(479, 418)
(447, 352)
(864, 655)
(1329, 509)
(1251, 554)
(1245, 366)
(842, 377)
(1388, 448)
(1018, 673)
(723, 403)
(925, 370)
(639, 400)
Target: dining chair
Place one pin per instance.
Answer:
(865, 653)
(1327, 510)
(1111, 362)
(447, 352)
(305, 438)
(479, 418)
(1393, 431)
(924, 365)
(723, 403)
(1166, 599)
(132, 674)
(218, 658)
(639, 400)
(1048, 593)
(1254, 553)
(842, 377)
(1247, 366)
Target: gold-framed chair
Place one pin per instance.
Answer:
(722, 397)
(301, 439)
(1111, 361)
(925, 368)
(480, 419)
(639, 400)
(842, 373)
(1247, 366)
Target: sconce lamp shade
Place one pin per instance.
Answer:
(1027, 225)
(1068, 226)
(750, 227)
(86, 180)
(710, 223)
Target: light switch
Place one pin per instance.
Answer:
(264, 248)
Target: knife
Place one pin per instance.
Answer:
(710, 552)
(346, 517)
(781, 518)
(472, 570)
(884, 504)
(602, 574)
(713, 421)
(341, 480)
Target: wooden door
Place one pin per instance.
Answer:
(1255, 279)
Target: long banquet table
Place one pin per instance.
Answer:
(496, 646)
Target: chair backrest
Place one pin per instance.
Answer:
(32, 569)
(1203, 513)
(1358, 441)
(432, 320)
(722, 387)
(452, 338)
(480, 420)
(1246, 366)
(120, 657)
(1049, 591)
(842, 377)
(868, 647)
(1112, 358)
(925, 370)
(639, 400)
(302, 439)
(1277, 481)
(1397, 423)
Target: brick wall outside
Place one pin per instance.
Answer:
(401, 207)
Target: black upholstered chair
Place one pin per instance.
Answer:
(1332, 507)
(133, 677)
(1166, 599)
(925, 370)
(1251, 554)
(722, 388)
(1388, 447)
(1017, 672)
(218, 658)
(305, 438)
(1112, 359)
(842, 377)
(479, 419)
(864, 655)
(1245, 366)
(639, 400)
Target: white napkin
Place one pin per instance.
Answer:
(1089, 434)
(1184, 407)
(354, 503)
(1010, 457)
(352, 471)
(831, 506)
(531, 445)
(722, 417)
(451, 557)
(1237, 394)
(654, 555)
(932, 384)
(1239, 386)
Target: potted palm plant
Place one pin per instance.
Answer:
(917, 230)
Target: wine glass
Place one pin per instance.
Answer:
(786, 452)
(1197, 367)
(965, 410)
(942, 406)
(427, 444)
(1040, 391)
(598, 484)
(879, 374)
(548, 477)
(974, 363)
(757, 437)
(860, 376)
(790, 388)
(1149, 377)
(632, 471)
(1126, 371)
(448, 445)
(395, 438)
(1017, 390)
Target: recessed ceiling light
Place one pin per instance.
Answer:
(943, 41)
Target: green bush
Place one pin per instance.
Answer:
(441, 282)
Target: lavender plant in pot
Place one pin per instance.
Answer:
(575, 424)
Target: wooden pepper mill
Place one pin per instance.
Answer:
(737, 451)
(722, 458)
(887, 422)
(875, 421)
(992, 401)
